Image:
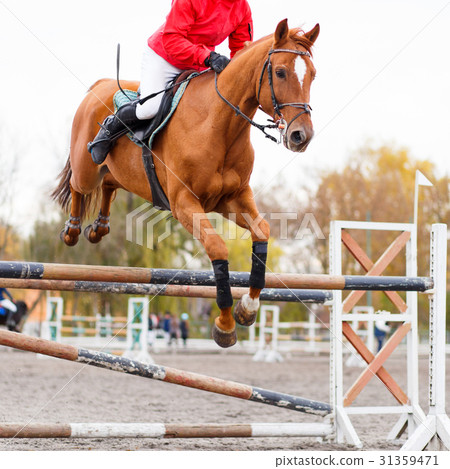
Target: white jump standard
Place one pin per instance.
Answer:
(434, 431)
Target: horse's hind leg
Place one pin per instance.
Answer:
(95, 232)
(72, 228)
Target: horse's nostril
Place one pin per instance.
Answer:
(298, 137)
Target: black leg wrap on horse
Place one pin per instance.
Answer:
(259, 259)
(224, 298)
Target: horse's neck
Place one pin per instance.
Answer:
(238, 84)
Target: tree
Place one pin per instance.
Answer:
(377, 184)
(9, 241)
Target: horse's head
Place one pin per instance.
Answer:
(284, 88)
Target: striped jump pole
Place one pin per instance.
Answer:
(34, 270)
(185, 291)
(161, 430)
(161, 373)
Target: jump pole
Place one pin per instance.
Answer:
(185, 291)
(34, 270)
(161, 373)
(160, 430)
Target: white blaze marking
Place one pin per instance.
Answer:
(300, 69)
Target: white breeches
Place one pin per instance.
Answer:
(8, 304)
(155, 74)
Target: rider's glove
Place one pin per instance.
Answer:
(217, 62)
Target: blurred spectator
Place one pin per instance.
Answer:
(167, 325)
(184, 327)
(174, 325)
(159, 327)
(153, 321)
(380, 330)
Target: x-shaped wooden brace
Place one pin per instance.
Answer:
(375, 362)
(374, 269)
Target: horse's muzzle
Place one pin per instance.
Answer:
(297, 139)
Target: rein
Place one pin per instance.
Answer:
(238, 112)
(280, 124)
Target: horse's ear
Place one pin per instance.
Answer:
(282, 31)
(312, 35)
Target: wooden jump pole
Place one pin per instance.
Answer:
(161, 430)
(34, 270)
(194, 291)
(169, 375)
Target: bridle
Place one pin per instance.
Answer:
(279, 123)
(276, 105)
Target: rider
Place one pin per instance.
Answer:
(185, 41)
(7, 307)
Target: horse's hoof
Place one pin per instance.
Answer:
(87, 234)
(223, 338)
(242, 316)
(68, 240)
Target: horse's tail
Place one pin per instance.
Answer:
(63, 195)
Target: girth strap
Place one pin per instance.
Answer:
(159, 198)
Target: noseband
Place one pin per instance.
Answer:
(279, 123)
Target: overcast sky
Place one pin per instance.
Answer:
(383, 74)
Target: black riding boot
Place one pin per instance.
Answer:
(113, 127)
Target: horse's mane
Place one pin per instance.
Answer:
(296, 34)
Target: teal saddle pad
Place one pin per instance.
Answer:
(120, 98)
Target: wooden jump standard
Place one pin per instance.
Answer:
(160, 430)
(34, 270)
(169, 375)
(194, 291)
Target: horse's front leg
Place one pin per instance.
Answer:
(246, 215)
(189, 212)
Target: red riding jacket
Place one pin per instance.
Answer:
(194, 27)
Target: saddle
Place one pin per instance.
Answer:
(145, 132)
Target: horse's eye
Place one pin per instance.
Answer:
(280, 73)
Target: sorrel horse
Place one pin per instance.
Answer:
(203, 157)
